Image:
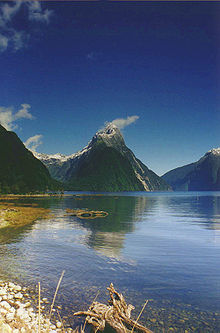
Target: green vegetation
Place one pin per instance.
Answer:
(105, 164)
(20, 171)
(109, 167)
(154, 182)
(105, 170)
(86, 214)
(16, 216)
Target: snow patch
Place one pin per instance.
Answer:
(215, 151)
(52, 157)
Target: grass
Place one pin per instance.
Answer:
(16, 216)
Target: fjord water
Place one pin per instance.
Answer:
(164, 247)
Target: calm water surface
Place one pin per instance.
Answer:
(164, 247)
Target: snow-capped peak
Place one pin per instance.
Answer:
(211, 152)
(215, 151)
(110, 135)
(110, 129)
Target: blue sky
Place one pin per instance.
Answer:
(67, 68)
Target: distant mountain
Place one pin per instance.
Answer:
(203, 175)
(105, 164)
(55, 164)
(20, 171)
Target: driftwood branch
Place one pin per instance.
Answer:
(117, 314)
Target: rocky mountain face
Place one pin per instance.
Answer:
(105, 164)
(20, 171)
(203, 175)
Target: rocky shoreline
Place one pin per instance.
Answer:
(17, 314)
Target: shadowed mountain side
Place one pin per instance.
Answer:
(105, 169)
(20, 171)
(203, 175)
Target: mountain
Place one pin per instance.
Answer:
(203, 175)
(20, 171)
(55, 164)
(105, 164)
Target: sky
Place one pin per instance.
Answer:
(67, 68)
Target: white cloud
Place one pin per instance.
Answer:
(33, 142)
(123, 122)
(36, 13)
(19, 39)
(3, 43)
(23, 112)
(15, 40)
(8, 117)
(9, 11)
(11, 37)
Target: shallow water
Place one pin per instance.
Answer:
(164, 247)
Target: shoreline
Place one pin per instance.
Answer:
(158, 319)
(47, 195)
(18, 314)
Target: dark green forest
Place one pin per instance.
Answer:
(20, 171)
(105, 170)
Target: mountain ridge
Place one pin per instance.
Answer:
(202, 175)
(108, 139)
(20, 171)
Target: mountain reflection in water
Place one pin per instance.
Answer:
(160, 246)
(107, 235)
